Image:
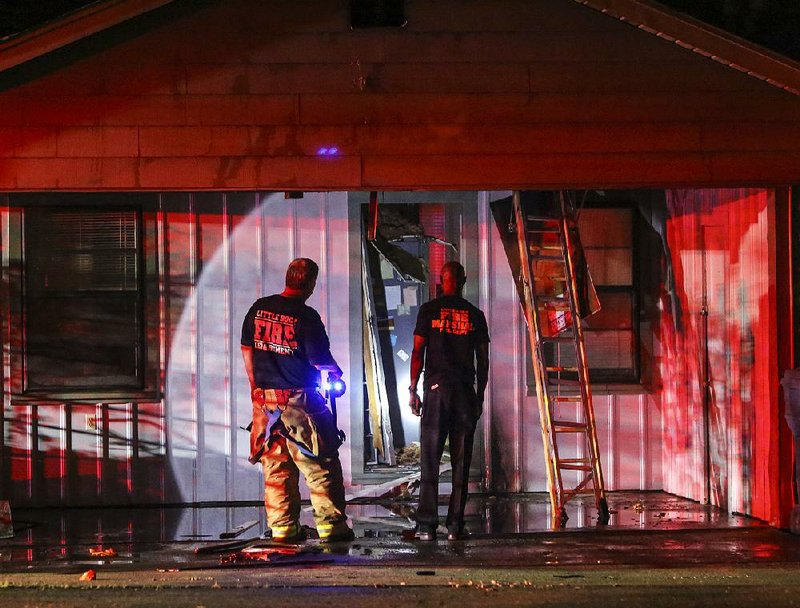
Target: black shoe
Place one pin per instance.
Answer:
(462, 534)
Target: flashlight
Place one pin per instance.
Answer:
(335, 388)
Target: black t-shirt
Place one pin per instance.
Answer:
(454, 329)
(287, 338)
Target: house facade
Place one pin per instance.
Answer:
(161, 163)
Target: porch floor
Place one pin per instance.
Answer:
(505, 529)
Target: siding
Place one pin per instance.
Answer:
(213, 255)
(216, 254)
(511, 93)
(720, 242)
(628, 421)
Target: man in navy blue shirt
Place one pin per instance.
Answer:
(285, 346)
(451, 335)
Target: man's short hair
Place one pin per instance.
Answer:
(456, 269)
(301, 273)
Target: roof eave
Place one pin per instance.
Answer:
(706, 40)
(53, 35)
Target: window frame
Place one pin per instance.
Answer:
(148, 357)
(607, 378)
(632, 376)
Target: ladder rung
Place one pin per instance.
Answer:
(553, 308)
(581, 489)
(542, 218)
(575, 467)
(570, 398)
(555, 299)
(559, 369)
(565, 339)
(564, 426)
(549, 258)
(544, 231)
(545, 247)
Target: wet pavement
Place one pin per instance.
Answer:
(655, 547)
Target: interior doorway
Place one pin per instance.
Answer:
(416, 234)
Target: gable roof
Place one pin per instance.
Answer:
(646, 15)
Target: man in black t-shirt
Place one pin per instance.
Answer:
(450, 336)
(285, 346)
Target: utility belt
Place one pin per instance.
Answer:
(273, 399)
(297, 414)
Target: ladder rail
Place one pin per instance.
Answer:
(583, 369)
(556, 393)
(534, 336)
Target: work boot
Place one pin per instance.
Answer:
(426, 534)
(288, 534)
(338, 537)
(458, 534)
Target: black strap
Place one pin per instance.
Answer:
(339, 432)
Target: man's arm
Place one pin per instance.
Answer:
(417, 361)
(318, 346)
(482, 370)
(247, 355)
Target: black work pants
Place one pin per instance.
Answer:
(447, 411)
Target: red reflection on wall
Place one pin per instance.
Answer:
(717, 335)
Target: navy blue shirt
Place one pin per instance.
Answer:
(454, 329)
(287, 338)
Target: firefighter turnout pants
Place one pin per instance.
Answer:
(302, 439)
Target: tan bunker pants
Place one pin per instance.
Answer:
(303, 440)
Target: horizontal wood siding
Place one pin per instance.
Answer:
(243, 95)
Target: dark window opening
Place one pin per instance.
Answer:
(83, 300)
(377, 13)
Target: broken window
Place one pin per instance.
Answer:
(611, 334)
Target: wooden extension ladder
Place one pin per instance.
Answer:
(550, 303)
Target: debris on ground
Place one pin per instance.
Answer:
(100, 552)
(638, 506)
(266, 553)
(234, 532)
(89, 575)
(6, 527)
(408, 455)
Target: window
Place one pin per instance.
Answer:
(83, 316)
(377, 13)
(611, 334)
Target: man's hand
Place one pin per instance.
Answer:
(414, 402)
